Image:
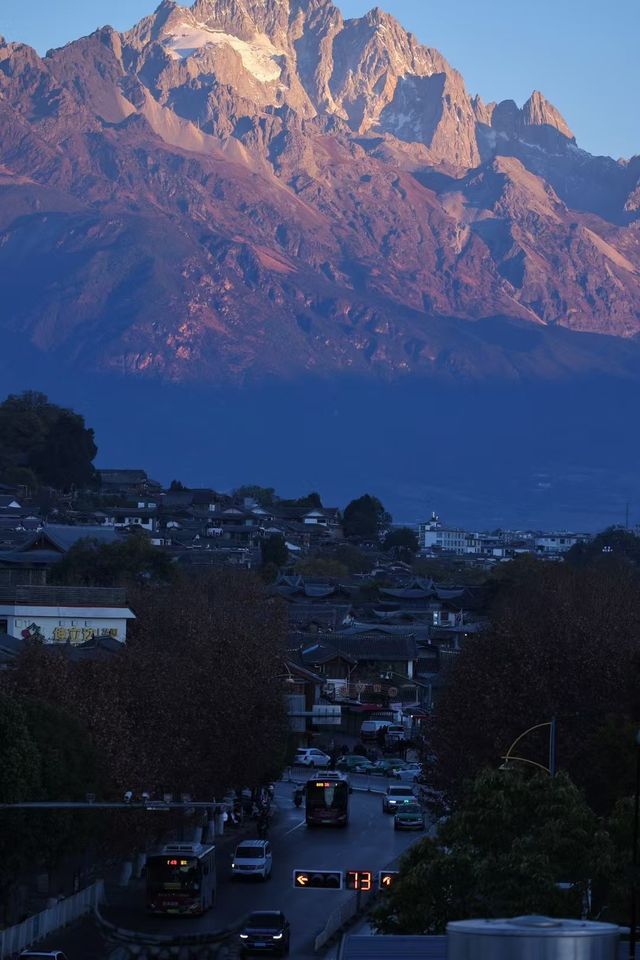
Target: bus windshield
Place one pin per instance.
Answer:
(327, 801)
(174, 873)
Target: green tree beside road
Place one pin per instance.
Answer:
(193, 703)
(554, 648)
(503, 852)
(20, 759)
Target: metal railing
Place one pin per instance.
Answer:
(65, 596)
(40, 925)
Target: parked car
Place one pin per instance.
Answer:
(350, 761)
(409, 816)
(366, 767)
(410, 771)
(396, 796)
(311, 757)
(388, 765)
(252, 858)
(265, 931)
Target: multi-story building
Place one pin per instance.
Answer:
(433, 534)
(557, 542)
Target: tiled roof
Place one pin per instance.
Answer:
(64, 537)
(360, 647)
(319, 652)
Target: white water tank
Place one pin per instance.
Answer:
(531, 938)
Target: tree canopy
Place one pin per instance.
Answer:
(133, 560)
(44, 442)
(365, 518)
(562, 643)
(312, 501)
(611, 547)
(163, 712)
(503, 852)
(402, 540)
(274, 550)
(265, 496)
(20, 773)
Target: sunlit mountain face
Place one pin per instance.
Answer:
(247, 195)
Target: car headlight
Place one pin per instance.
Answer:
(278, 936)
(244, 936)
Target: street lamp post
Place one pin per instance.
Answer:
(633, 925)
(553, 749)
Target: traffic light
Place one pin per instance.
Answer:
(387, 878)
(318, 879)
(361, 880)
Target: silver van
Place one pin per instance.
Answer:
(252, 858)
(369, 728)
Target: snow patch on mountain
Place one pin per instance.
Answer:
(259, 55)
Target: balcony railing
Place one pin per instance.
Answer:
(64, 596)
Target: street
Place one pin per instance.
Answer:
(368, 843)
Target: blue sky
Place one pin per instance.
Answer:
(582, 54)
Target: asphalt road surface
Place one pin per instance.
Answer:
(369, 842)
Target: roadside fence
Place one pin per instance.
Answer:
(340, 917)
(23, 935)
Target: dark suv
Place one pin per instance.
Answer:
(266, 931)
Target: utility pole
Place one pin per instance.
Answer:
(553, 747)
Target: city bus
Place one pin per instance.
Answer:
(327, 800)
(181, 879)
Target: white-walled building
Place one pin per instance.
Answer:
(64, 614)
(557, 542)
(433, 534)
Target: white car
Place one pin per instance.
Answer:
(396, 796)
(311, 757)
(411, 772)
(252, 858)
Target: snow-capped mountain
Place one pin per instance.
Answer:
(252, 187)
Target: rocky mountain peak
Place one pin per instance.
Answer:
(538, 112)
(245, 18)
(537, 120)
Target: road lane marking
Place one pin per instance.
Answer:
(297, 827)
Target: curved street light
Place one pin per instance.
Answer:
(551, 769)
